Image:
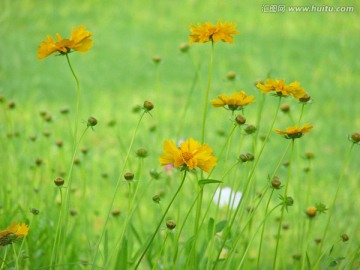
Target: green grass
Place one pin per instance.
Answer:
(318, 49)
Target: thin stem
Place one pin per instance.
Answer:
(4, 259)
(263, 230)
(207, 93)
(57, 234)
(161, 220)
(331, 209)
(77, 98)
(116, 190)
(284, 205)
(248, 183)
(16, 261)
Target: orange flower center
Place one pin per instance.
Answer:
(187, 156)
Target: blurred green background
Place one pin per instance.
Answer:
(321, 50)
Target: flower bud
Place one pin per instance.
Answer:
(345, 237)
(129, 176)
(231, 75)
(73, 212)
(240, 119)
(142, 153)
(34, 211)
(309, 155)
(243, 158)
(355, 137)
(250, 129)
(285, 108)
(170, 224)
(311, 212)
(156, 198)
(305, 98)
(184, 47)
(11, 104)
(115, 212)
(59, 143)
(154, 174)
(156, 59)
(92, 121)
(148, 106)
(276, 183)
(64, 111)
(250, 157)
(59, 181)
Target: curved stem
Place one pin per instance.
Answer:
(161, 220)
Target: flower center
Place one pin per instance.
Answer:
(187, 156)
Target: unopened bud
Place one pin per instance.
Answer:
(148, 106)
(231, 75)
(311, 212)
(129, 176)
(59, 181)
(92, 121)
(240, 119)
(170, 224)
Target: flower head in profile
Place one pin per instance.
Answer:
(189, 155)
(13, 233)
(234, 102)
(282, 89)
(79, 41)
(295, 132)
(208, 32)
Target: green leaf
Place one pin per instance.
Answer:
(106, 245)
(220, 226)
(210, 227)
(122, 257)
(209, 181)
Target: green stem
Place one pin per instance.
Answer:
(331, 209)
(207, 93)
(263, 230)
(77, 99)
(57, 234)
(284, 205)
(268, 203)
(119, 180)
(161, 220)
(16, 256)
(248, 183)
(4, 259)
(181, 229)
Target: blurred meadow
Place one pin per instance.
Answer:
(320, 50)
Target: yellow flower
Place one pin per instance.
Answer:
(295, 132)
(208, 32)
(235, 102)
(12, 233)
(282, 89)
(190, 154)
(79, 41)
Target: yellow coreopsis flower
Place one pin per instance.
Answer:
(208, 32)
(189, 155)
(79, 41)
(295, 132)
(235, 102)
(282, 89)
(12, 233)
